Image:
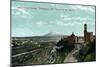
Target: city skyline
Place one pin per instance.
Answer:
(28, 21)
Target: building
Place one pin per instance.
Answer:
(72, 38)
(80, 39)
(88, 36)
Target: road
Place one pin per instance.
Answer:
(70, 57)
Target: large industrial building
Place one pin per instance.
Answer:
(87, 38)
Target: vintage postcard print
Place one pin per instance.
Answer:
(52, 33)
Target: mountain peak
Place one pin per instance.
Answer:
(53, 34)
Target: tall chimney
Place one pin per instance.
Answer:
(85, 32)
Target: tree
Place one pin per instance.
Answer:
(66, 45)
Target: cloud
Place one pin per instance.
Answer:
(84, 8)
(73, 23)
(67, 18)
(40, 23)
(60, 23)
(20, 12)
(76, 18)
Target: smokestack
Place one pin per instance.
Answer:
(85, 27)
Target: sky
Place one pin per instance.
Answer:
(37, 19)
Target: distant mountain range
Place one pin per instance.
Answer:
(51, 36)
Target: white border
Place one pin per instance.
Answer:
(5, 33)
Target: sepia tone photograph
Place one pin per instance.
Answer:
(52, 33)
